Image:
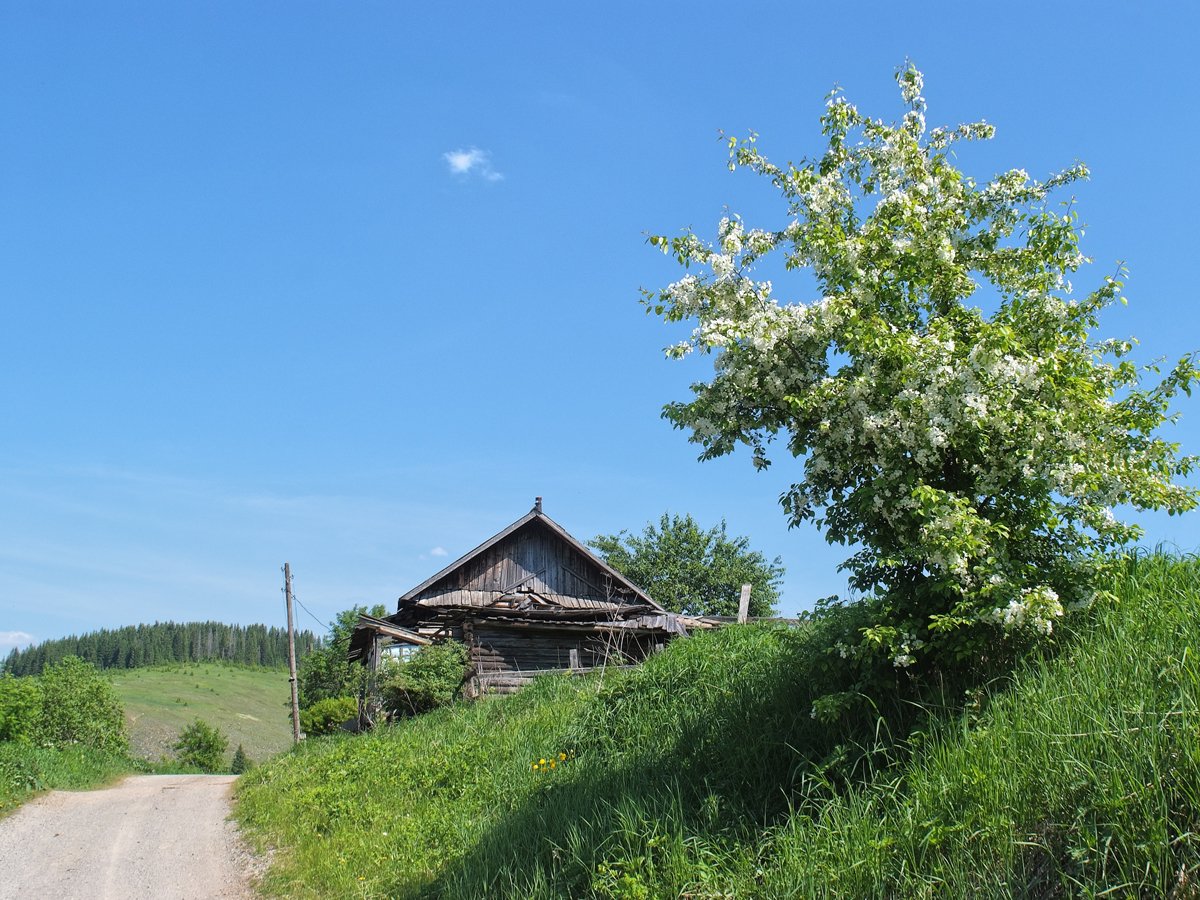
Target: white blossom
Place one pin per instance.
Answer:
(973, 440)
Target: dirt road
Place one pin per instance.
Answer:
(151, 836)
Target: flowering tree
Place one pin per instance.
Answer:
(956, 418)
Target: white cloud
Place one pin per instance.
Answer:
(11, 639)
(474, 160)
(438, 551)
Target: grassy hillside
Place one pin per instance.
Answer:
(250, 705)
(703, 774)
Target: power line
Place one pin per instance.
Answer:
(296, 599)
(306, 609)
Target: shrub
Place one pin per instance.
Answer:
(241, 762)
(326, 672)
(20, 708)
(19, 774)
(80, 706)
(326, 716)
(432, 678)
(201, 745)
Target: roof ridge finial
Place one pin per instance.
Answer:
(537, 504)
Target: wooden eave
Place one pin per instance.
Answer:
(382, 626)
(535, 515)
(370, 624)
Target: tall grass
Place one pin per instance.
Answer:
(382, 814)
(26, 769)
(1082, 778)
(702, 773)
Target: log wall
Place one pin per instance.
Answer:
(497, 650)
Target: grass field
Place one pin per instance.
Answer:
(249, 705)
(703, 774)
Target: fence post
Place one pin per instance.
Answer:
(744, 604)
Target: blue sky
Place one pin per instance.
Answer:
(348, 285)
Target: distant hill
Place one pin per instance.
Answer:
(250, 705)
(135, 646)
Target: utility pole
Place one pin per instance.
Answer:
(287, 592)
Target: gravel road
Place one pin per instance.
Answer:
(151, 836)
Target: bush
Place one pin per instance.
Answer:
(326, 716)
(19, 774)
(432, 678)
(20, 708)
(241, 762)
(80, 706)
(201, 745)
(326, 672)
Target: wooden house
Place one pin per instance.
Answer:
(529, 600)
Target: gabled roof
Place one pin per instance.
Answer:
(535, 515)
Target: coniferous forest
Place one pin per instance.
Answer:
(165, 642)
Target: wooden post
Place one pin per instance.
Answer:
(573, 656)
(366, 697)
(287, 592)
(474, 683)
(744, 604)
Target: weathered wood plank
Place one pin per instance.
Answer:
(744, 603)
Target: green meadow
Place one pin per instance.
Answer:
(249, 705)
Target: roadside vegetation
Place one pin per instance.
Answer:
(65, 729)
(26, 769)
(64, 724)
(705, 772)
(74, 727)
